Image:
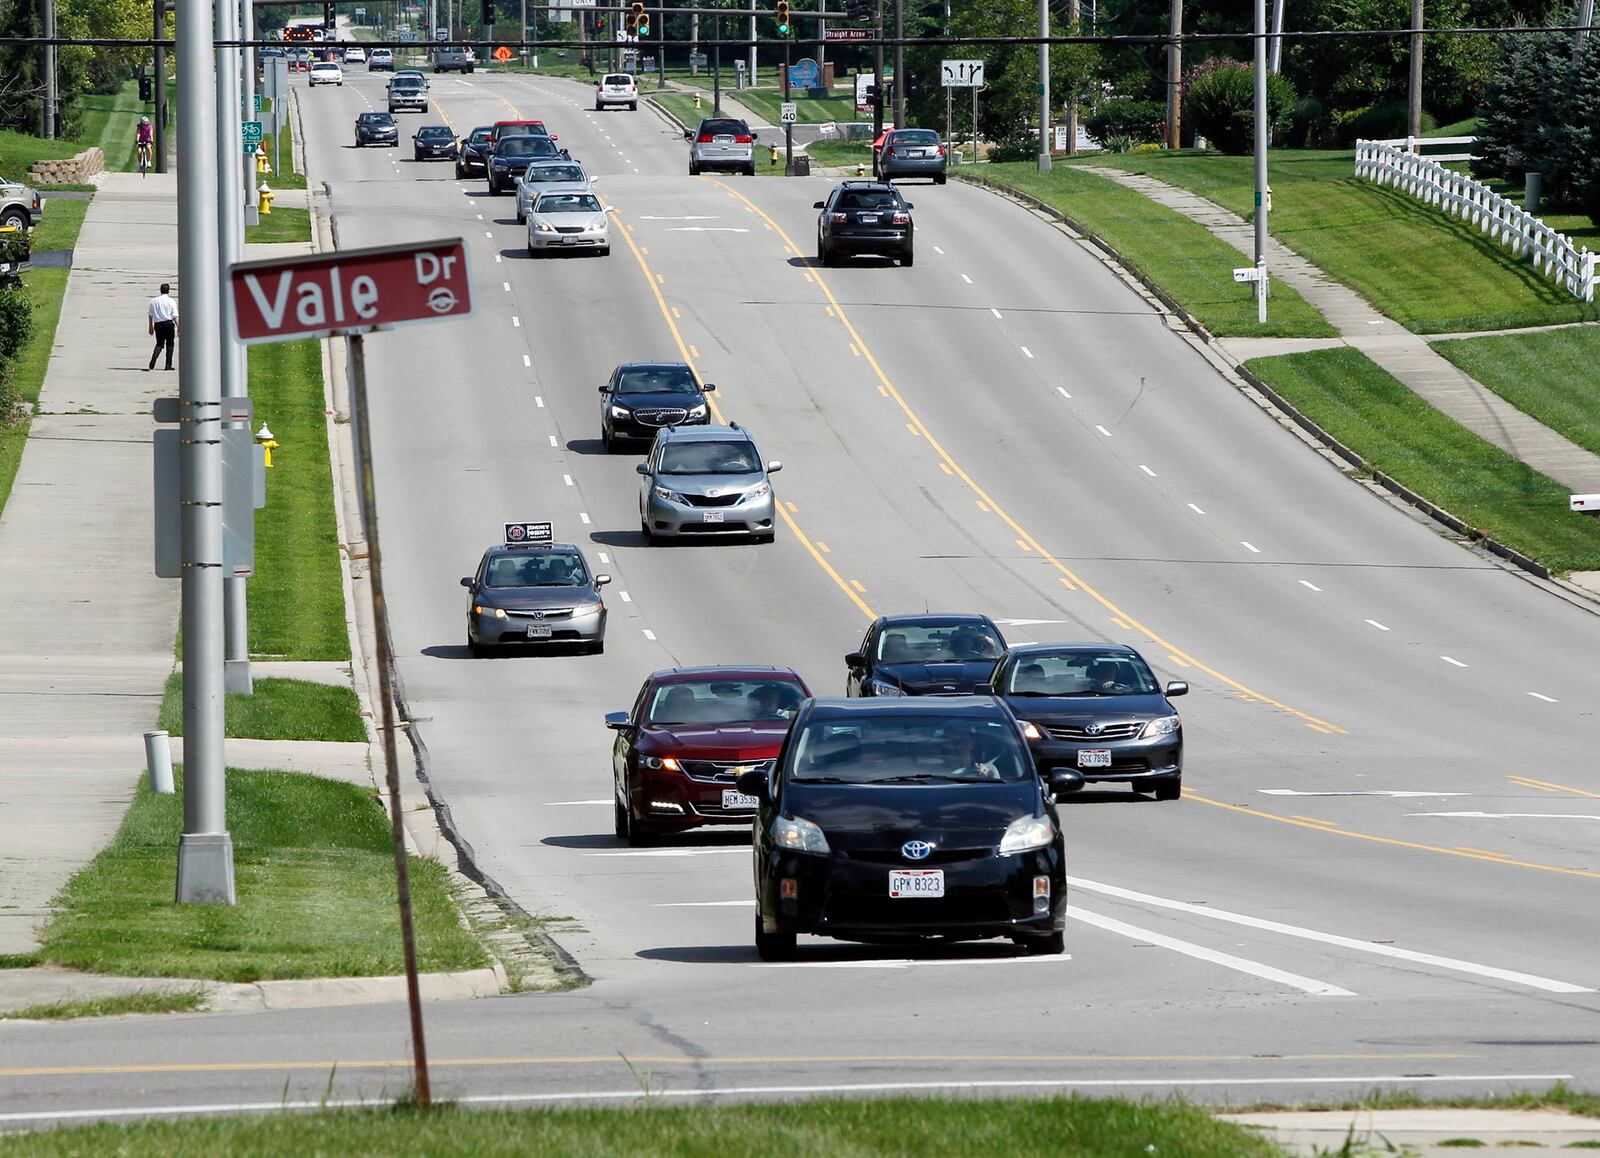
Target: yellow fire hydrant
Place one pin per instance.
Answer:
(263, 162)
(696, 100)
(861, 169)
(264, 203)
(268, 443)
(772, 157)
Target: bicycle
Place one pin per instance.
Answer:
(144, 157)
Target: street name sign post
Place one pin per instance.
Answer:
(353, 293)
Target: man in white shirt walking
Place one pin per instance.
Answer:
(163, 324)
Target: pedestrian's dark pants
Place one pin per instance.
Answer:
(166, 332)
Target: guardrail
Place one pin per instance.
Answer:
(1554, 254)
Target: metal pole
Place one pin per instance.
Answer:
(402, 873)
(248, 106)
(822, 40)
(160, 118)
(788, 126)
(1074, 14)
(1175, 78)
(230, 249)
(661, 52)
(974, 124)
(1586, 20)
(877, 77)
(1044, 87)
(1414, 112)
(949, 93)
(900, 64)
(1277, 37)
(752, 76)
(205, 849)
(716, 66)
(1261, 160)
(694, 43)
(50, 114)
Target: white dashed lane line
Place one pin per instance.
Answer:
(626, 598)
(1062, 390)
(966, 279)
(939, 251)
(516, 322)
(538, 401)
(1103, 431)
(553, 440)
(1251, 547)
(1308, 583)
(583, 516)
(526, 360)
(1375, 623)
(996, 313)
(1197, 510)
(648, 634)
(1027, 352)
(507, 286)
(1453, 662)
(1545, 698)
(566, 480)
(1147, 470)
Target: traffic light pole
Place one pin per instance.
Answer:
(161, 86)
(877, 78)
(716, 66)
(788, 125)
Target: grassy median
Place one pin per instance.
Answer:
(1549, 376)
(1072, 1127)
(315, 879)
(280, 225)
(279, 709)
(46, 287)
(1182, 257)
(1372, 413)
(1431, 272)
(296, 595)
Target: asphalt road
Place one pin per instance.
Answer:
(1385, 866)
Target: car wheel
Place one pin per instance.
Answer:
(650, 539)
(694, 170)
(532, 252)
(1051, 946)
(825, 255)
(906, 257)
(415, 156)
(619, 813)
(522, 218)
(773, 946)
(474, 648)
(637, 836)
(939, 179)
(633, 106)
(459, 173)
(1170, 789)
(360, 145)
(750, 170)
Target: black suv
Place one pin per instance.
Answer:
(643, 397)
(864, 217)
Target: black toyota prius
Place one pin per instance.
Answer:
(907, 820)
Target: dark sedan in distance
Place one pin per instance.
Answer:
(433, 142)
(474, 155)
(642, 397)
(1098, 709)
(513, 155)
(377, 129)
(692, 733)
(923, 655)
(911, 153)
(904, 820)
(535, 593)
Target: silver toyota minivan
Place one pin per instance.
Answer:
(706, 480)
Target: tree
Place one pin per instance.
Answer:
(1219, 103)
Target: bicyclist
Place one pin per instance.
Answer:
(144, 137)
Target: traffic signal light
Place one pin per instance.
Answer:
(859, 10)
(329, 20)
(147, 89)
(641, 18)
(488, 12)
(783, 17)
(630, 20)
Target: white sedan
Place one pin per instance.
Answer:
(355, 54)
(326, 72)
(568, 221)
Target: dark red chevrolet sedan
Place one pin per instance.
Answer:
(692, 732)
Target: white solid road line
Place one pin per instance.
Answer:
(1353, 792)
(633, 1094)
(671, 852)
(910, 963)
(1200, 952)
(1513, 815)
(1451, 963)
(574, 803)
(705, 904)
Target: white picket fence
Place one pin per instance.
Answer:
(1394, 163)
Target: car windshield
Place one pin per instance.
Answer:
(709, 458)
(868, 199)
(949, 643)
(525, 147)
(908, 749)
(547, 174)
(544, 569)
(376, 119)
(720, 701)
(916, 137)
(525, 129)
(408, 85)
(480, 135)
(568, 203)
(435, 133)
(325, 66)
(1080, 673)
(657, 380)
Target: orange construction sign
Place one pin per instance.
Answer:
(502, 54)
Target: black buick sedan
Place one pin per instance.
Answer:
(1097, 708)
(907, 820)
(642, 397)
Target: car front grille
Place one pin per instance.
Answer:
(722, 771)
(569, 229)
(712, 528)
(714, 500)
(663, 416)
(544, 615)
(885, 912)
(1125, 730)
(896, 858)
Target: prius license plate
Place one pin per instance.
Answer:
(1094, 758)
(538, 631)
(905, 883)
(712, 516)
(735, 801)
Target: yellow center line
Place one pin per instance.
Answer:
(1466, 853)
(1017, 528)
(1547, 786)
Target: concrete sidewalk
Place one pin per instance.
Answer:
(1421, 1133)
(1407, 356)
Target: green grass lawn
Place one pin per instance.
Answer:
(296, 596)
(1424, 268)
(681, 105)
(19, 150)
(1399, 434)
(149, 1001)
(46, 287)
(61, 224)
(1551, 376)
(765, 103)
(1180, 256)
(1059, 1127)
(281, 224)
(314, 872)
(110, 119)
(281, 155)
(279, 709)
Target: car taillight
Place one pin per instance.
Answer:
(900, 218)
(938, 151)
(703, 139)
(838, 218)
(743, 139)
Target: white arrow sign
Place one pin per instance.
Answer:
(961, 73)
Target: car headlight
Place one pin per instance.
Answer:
(798, 833)
(1026, 833)
(666, 494)
(544, 227)
(1161, 726)
(1030, 730)
(497, 612)
(594, 608)
(880, 687)
(620, 411)
(598, 223)
(654, 762)
(759, 491)
(698, 410)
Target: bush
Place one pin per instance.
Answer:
(1382, 122)
(1017, 147)
(1136, 120)
(1307, 125)
(1220, 105)
(16, 321)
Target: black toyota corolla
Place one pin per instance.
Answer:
(924, 655)
(907, 820)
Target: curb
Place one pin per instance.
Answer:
(1405, 494)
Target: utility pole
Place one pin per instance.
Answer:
(522, 34)
(1263, 192)
(230, 249)
(1175, 79)
(694, 43)
(1044, 85)
(822, 40)
(716, 65)
(49, 117)
(661, 53)
(788, 126)
(247, 30)
(1074, 14)
(161, 85)
(949, 92)
(1586, 19)
(205, 849)
(752, 73)
(877, 78)
(900, 64)
(1414, 113)
(1276, 51)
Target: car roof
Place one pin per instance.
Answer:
(732, 671)
(839, 707)
(703, 433)
(654, 366)
(498, 549)
(1071, 649)
(928, 619)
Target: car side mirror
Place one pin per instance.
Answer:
(816, 205)
(855, 659)
(755, 136)
(466, 580)
(754, 783)
(688, 134)
(1177, 688)
(774, 466)
(641, 468)
(601, 580)
(606, 389)
(910, 206)
(1065, 781)
(708, 388)
(617, 721)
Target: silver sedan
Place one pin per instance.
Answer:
(549, 177)
(568, 221)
